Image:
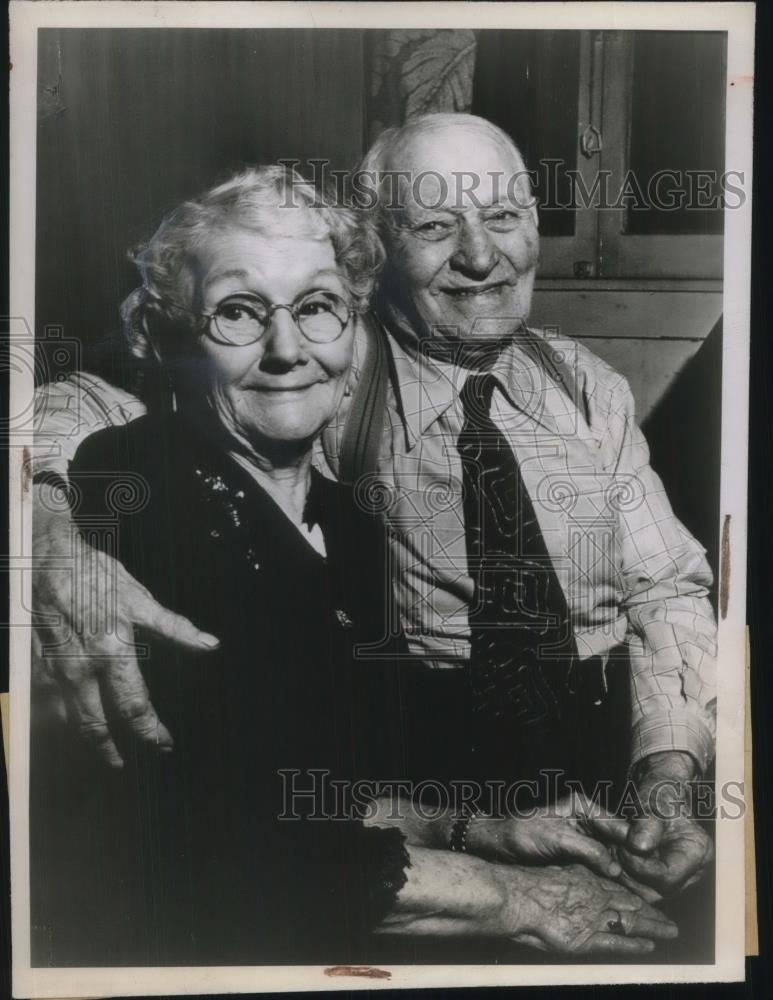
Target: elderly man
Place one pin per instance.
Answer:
(530, 538)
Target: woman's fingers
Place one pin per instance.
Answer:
(646, 869)
(646, 892)
(531, 940)
(602, 942)
(659, 929)
(605, 943)
(613, 829)
(625, 902)
(593, 819)
(642, 921)
(575, 846)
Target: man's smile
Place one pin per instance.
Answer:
(467, 291)
(286, 388)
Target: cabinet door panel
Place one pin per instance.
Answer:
(663, 127)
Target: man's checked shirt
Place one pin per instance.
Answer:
(631, 572)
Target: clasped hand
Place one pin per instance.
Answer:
(655, 854)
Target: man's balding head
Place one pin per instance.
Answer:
(460, 224)
(449, 144)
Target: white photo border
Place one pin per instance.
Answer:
(735, 18)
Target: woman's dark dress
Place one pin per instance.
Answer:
(181, 858)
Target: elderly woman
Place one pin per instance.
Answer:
(220, 853)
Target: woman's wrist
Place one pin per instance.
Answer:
(446, 830)
(450, 830)
(485, 837)
(419, 830)
(468, 834)
(452, 894)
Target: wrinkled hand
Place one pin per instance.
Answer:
(571, 830)
(84, 661)
(682, 855)
(570, 910)
(665, 850)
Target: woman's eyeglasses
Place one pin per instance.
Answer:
(243, 319)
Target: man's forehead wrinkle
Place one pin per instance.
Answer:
(451, 149)
(454, 170)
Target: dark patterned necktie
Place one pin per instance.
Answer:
(522, 656)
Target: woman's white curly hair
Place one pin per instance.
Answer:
(270, 199)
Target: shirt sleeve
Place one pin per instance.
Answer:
(68, 411)
(672, 635)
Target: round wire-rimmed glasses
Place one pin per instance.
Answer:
(243, 318)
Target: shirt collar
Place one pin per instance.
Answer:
(533, 377)
(528, 372)
(422, 388)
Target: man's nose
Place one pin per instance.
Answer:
(476, 253)
(283, 342)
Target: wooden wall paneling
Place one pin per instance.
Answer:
(635, 313)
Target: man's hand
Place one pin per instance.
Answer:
(571, 830)
(570, 910)
(85, 607)
(666, 849)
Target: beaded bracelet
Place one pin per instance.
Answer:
(457, 840)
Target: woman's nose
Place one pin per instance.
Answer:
(283, 342)
(476, 253)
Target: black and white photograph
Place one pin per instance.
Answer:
(378, 488)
